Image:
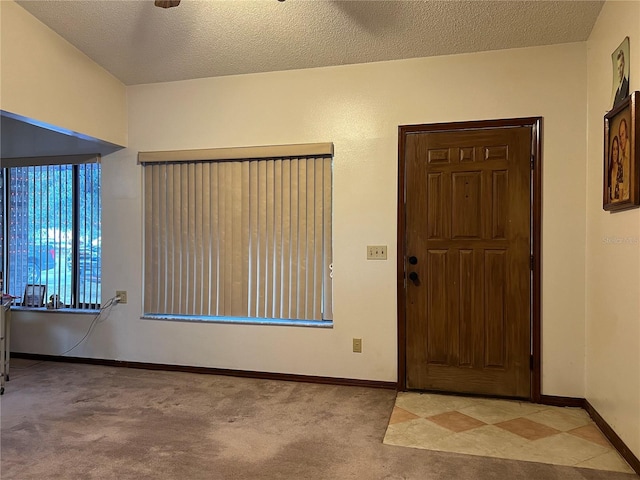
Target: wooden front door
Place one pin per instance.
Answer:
(467, 260)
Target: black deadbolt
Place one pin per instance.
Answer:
(413, 260)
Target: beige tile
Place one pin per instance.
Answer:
(562, 419)
(400, 415)
(561, 449)
(570, 448)
(527, 454)
(493, 439)
(527, 428)
(489, 413)
(427, 404)
(592, 433)
(418, 433)
(518, 408)
(456, 421)
(610, 461)
(464, 443)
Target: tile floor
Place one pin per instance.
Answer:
(501, 428)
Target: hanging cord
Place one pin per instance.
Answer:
(96, 320)
(109, 305)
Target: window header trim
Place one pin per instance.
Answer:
(51, 160)
(237, 153)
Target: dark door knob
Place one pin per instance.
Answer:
(413, 276)
(413, 260)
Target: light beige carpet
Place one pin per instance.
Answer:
(73, 421)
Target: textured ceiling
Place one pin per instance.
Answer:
(140, 43)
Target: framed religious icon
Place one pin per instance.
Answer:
(621, 189)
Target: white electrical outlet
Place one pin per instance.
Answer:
(376, 252)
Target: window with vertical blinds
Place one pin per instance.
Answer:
(241, 233)
(51, 215)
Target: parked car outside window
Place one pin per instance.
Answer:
(90, 261)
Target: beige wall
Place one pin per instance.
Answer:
(613, 246)
(44, 78)
(358, 108)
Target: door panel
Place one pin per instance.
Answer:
(466, 202)
(467, 220)
(437, 329)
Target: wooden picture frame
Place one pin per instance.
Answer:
(34, 295)
(621, 186)
(620, 61)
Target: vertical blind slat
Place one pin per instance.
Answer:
(310, 243)
(285, 263)
(237, 305)
(317, 242)
(269, 243)
(303, 247)
(178, 229)
(215, 240)
(184, 238)
(84, 206)
(327, 213)
(206, 237)
(149, 283)
(226, 239)
(253, 252)
(277, 240)
(245, 232)
(262, 244)
(171, 248)
(87, 208)
(294, 261)
(191, 229)
(223, 275)
(185, 293)
(155, 267)
(164, 250)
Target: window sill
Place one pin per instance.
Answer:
(68, 311)
(241, 320)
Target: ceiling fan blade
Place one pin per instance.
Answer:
(167, 3)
